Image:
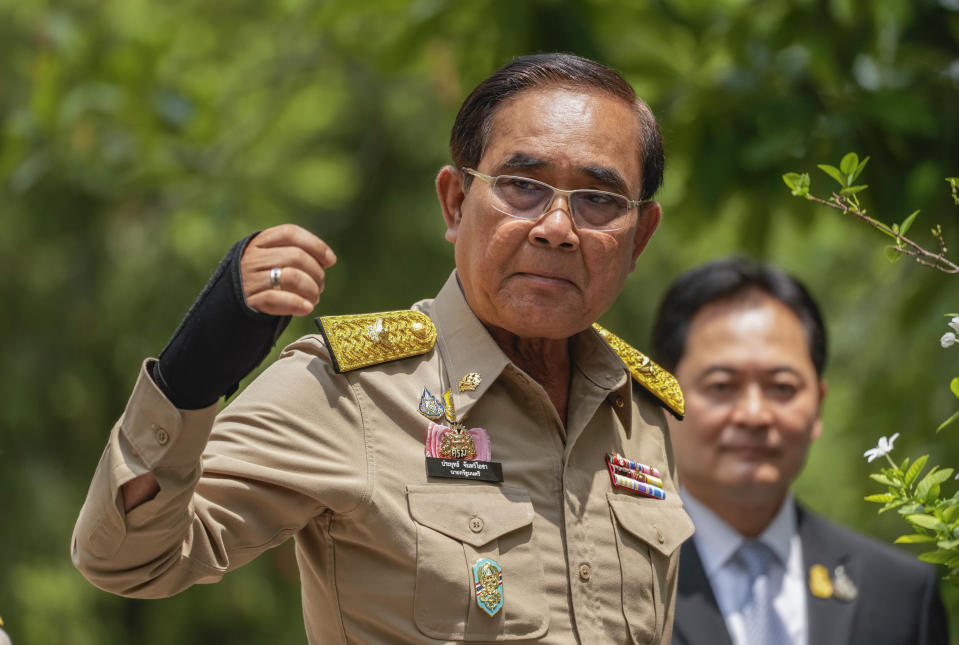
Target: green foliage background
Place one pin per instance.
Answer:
(139, 139)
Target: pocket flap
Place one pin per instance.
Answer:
(471, 514)
(663, 528)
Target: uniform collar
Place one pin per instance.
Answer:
(466, 346)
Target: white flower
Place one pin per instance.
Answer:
(954, 323)
(884, 448)
(948, 339)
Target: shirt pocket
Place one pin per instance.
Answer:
(648, 534)
(456, 525)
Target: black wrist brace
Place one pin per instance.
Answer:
(220, 340)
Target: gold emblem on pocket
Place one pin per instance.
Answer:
(488, 579)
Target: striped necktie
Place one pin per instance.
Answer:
(763, 624)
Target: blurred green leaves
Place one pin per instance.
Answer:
(139, 140)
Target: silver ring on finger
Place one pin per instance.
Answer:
(275, 274)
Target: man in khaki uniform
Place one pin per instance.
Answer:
(489, 465)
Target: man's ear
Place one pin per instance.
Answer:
(649, 215)
(817, 424)
(449, 189)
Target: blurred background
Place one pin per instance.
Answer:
(139, 139)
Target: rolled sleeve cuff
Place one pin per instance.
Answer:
(159, 434)
(151, 436)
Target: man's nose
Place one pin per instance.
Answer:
(555, 227)
(752, 408)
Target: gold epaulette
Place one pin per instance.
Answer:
(646, 372)
(362, 340)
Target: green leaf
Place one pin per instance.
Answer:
(948, 544)
(948, 421)
(954, 183)
(833, 172)
(926, 521)
(882, 479)
(798, 183)
(893, 254)
(932, 478)
(915, 469)
(954, 386)
(885, 232)
(859, 169)
(852, 190)
(891, 505)
(906, 223)
(926, 483)
(915, 538)
(849, 163)
(904, 465)
(936, 557)
(950, 513)
(880, 498)
(909, 509)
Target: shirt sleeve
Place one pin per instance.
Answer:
(287, 450)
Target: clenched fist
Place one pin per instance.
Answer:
(302, 259)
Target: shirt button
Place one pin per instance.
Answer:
(476, 524)
(585, 571)
(619, 401)
(161, 435)
(659, 535)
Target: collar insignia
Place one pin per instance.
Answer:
(430, 406)
(470, 382)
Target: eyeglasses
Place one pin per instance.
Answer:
(528, 199)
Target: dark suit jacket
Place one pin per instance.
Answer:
(898, 601)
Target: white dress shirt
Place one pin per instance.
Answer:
(717, 542)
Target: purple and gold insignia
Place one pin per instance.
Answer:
(430, 406)
(488, 583)
(457, 443)
(634, 476)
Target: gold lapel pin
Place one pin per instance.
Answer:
(819, 583)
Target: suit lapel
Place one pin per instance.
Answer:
(698, 619)
(830, 619)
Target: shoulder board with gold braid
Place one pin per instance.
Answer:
(647, 373)
(362, 340)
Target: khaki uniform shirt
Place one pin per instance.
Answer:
(385, 552)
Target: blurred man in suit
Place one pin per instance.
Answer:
(748, 346)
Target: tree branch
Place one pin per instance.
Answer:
(908, 246)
